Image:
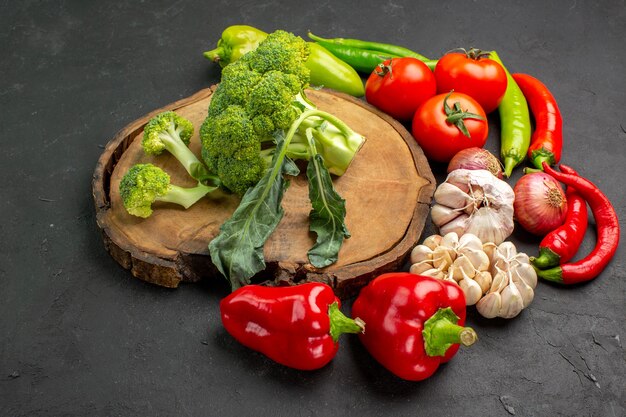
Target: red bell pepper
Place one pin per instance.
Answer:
(414, 323)
(297, 326)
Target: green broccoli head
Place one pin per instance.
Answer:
(141, 186)
(281, 51)
(164, 129)
(240, 173)
(274, 97)
(228, 133)
(258, 96)
(242, 81)
(229, 139)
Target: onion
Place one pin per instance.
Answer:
(540, 205)
(476, 158)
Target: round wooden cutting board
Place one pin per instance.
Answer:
(388, 189)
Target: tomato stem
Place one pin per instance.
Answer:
(457, 115)
(473, 53)
(383, 70)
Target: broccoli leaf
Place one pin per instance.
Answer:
(327, 216)
(238, 250)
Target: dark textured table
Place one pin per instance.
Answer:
(80, 337)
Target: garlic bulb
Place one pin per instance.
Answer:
(474, 202)
(461, 260)
(513, 283)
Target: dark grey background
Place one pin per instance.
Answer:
(80, 337)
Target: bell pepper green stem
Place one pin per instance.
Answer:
(214, 54)
(442, 331)
(340, 323)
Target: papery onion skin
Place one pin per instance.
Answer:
(540, 204)
(476, 158)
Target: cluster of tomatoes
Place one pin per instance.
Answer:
(447, 107)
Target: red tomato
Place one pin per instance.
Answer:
(435, 130)
(474, 74)
(399, 86)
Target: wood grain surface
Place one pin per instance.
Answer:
(388, 189)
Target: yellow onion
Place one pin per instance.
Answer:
(540, 205)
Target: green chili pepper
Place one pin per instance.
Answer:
(362, 60)
(369, 50)
(326, 69)
(515, 127)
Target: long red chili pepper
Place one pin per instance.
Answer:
(414, 323)
(547, 139)
(561, 244)
(608, 232)
(296, 326)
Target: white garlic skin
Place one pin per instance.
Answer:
(485, 204)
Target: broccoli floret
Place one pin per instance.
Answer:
(144, 184)
(259, 96)
(281, 51)
(170, 132)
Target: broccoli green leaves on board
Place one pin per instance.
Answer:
(238, 250)
(327, 217)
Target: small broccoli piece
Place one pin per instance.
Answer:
(170, 132)
(144, 184)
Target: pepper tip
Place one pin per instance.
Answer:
(509, 164)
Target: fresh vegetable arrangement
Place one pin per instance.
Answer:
(261, 101)
(260, 122)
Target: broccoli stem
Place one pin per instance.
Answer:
(180, 151)
(334, 140)
(295, 150)
(298, 125)
(185, 197)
